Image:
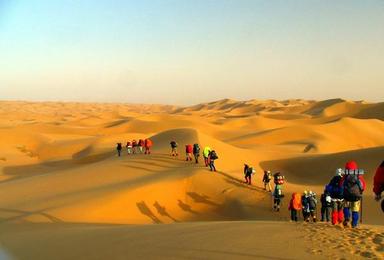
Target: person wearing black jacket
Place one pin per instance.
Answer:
(326, 206)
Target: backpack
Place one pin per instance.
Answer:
(278, 193)
(352, 188)
(305, 203)
(312, 202)
(148, 143)
(188, 148)
(334, 189)
(296, 201)
(326, 200)
(196, 149)
(214, 155)
(173, 144)
(250, 171)
(278, 178)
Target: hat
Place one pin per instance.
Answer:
(351, 165)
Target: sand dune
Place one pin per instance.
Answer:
(60, 177)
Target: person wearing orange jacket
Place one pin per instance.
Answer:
(378, 183)
(353, 185)
(295, 205)
(148, 144)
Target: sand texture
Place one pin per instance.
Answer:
(65, 194)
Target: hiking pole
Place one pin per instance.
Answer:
(361, 210)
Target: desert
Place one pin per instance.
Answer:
(66, 194)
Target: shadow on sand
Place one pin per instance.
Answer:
(201, 198)
(147, 212)
(21, 214)
(186, 207)
(163, 212)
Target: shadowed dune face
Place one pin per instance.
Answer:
(58, 161)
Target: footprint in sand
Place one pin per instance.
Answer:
(367, 254)
(378, 240)
(316, 251)
(227, 190)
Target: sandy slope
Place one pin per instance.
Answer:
(58, 166)
(198, 240)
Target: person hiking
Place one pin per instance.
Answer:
(353, 187)
(248, 171)
(129, 147)
(196, 152)
(148, 144)
(140, 145)
(277, 194)
(294, 206)
(312, 203)
(378, 182)
(174, 148)
(305, 205)
(134, 146)
(118, 148)
(212, 156)
(188, 152)
(206, 152)
(336, 192)
(267, 180)
(326, 205)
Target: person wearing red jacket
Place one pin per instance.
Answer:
(378, 181)
(188, 152)
(353, 185)
(141, 145)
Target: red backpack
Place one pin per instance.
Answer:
(148, 143)
(189, 148)
(278, 178)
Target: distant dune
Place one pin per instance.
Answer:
(58, 165)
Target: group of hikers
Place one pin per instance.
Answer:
(209, 154)
(341, 201)
(133, 147)
(144, 146)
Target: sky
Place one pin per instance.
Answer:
(186, 52)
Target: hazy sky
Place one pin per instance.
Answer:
(185, 52)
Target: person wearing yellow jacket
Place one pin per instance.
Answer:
(206, 152)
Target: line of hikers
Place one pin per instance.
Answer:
(133, 147)
(209, 154)
(340, 202)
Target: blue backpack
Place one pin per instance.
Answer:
(334, 189)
